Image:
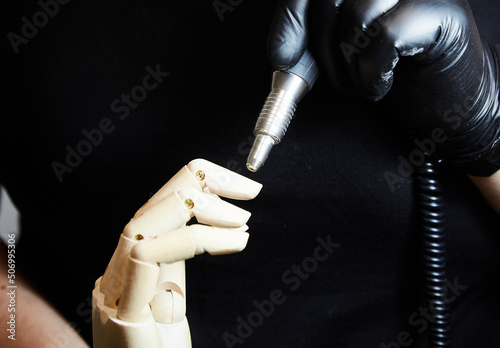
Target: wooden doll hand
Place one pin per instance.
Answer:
(140, 300)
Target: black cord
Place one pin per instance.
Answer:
(434, 252)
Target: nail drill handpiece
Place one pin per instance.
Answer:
(287, 90)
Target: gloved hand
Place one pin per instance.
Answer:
(442, 77)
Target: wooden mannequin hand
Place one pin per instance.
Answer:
(140, 300)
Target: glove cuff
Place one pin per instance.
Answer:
(485, 165)
(485, 158)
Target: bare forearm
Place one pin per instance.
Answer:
(33, 322)
(490, 188)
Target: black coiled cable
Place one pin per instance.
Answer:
(434, 252)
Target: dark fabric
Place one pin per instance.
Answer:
(340, 176)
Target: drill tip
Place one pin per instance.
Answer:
(259, 152)
(253, 168)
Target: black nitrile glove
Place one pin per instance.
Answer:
(443, 78)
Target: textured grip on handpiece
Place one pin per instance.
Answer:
(306, 69)
(287, 90)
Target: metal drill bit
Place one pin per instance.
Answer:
(287, 90)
